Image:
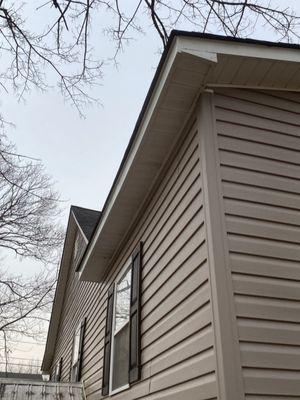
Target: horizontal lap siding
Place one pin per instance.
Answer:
(178, 358)
(259, 148)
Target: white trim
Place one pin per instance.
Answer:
(111, 364)
(120, 275)
(208, 51)
(204, 55)
(212, 47)
(133, 151)
(79, 227)
(232, 86)
(120, 389)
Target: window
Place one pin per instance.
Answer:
(120, 340)
(77, 350)
(57, 372)
(122, 334)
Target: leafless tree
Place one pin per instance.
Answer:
(24, 306)
(49, 41)
(28, 210)
(23, 302)
(28, 206)
(53, 37)
(20, 365)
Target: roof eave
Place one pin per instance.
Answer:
(185, 55)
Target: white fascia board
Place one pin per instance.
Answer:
(144, 125)
(207, 50)
(179, 46)
(79, 227)
(212, 47)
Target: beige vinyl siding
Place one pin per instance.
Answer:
(178, 357)
(259, 149)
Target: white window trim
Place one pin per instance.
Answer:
(113, 333)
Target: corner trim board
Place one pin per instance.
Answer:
(229, 372)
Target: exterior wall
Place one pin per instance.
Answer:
(178, 350)
(259, 151)
(80, 300)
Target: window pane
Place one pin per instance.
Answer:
(57, 371)
(122, 309)
(120, 361)
(76, 347)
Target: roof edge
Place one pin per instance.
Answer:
(133, 136)
(174, 33)
(63, 268)
(173, 36)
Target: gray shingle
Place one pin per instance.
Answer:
(87, 219)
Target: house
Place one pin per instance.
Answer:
(187, 285)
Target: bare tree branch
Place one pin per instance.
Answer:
(28, 228)
(28, 207)
(62, 46)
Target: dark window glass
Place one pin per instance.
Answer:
(121, 358)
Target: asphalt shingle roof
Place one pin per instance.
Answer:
(87, 219)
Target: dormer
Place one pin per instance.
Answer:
(85, 220)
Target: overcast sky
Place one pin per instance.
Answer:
(83, 155)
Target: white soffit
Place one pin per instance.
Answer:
(190, 66)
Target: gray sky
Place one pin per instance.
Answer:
(83, 155)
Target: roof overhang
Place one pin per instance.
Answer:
(190, 64)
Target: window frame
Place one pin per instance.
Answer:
(127, 266)
(74, 366)
(134, 262)
(58, 370)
